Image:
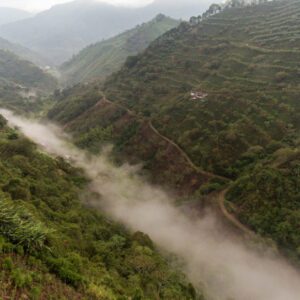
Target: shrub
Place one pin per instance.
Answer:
(20, 278)
(281, 76)
(20, 227)
(66, 271)
(8, 264)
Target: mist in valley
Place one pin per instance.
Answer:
(225, 267)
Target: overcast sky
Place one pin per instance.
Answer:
(38, 5)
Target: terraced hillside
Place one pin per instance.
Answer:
(54, 247)
(252, 86)
(22, 84)
(243, 67)
(102, 59)
(226, 92)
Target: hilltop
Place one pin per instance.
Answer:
(99, 60)
(224, 90)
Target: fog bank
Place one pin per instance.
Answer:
(226, 268)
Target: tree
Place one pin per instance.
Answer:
(193, 20)
(214, 8)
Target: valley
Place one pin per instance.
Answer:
(151, 157)
(122, 194)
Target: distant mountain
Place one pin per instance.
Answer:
(63, 30)
(22, 84)
(179, 9)
(9, 15)
(102, 59)
(22, 72)
(22, 52)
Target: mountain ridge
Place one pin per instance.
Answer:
(99, 60)
(10, 15)
(65, 29)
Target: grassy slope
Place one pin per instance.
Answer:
(44, 230)
(247, 60)
(102, 59)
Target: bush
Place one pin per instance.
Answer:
(8, 264)
(19, 226)
(66, 271)
(281, 76)
(20, 278)
(131, 61)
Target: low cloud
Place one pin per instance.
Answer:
(225, 267)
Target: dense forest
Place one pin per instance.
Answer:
(51, 243)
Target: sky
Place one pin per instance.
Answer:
(39, 5)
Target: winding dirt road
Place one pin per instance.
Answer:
(220, 196)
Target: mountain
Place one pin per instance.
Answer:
(180, 9)
(22, 84)
(24, 73)
(63, 30)
(54, 247)
(22, 52)
(210, 105)
(102, 59)
(10, 15)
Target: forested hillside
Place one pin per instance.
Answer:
(22, 84)
(102, 59)
(53, 247)
(252, 87)
(225, 90)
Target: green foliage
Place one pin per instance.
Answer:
(24, 73)
(246, 59)
(7, 264)
(41, 215)
(102, 59)
(267, 199)
(23, 86)
(76, 100)
(66, 271)
(19, 226)
(21, 280)
(94, 138)
(251, 76)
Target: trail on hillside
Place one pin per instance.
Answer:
(169, 141)
(223, 266)
(221, 195)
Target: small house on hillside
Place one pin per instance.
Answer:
(198, 95)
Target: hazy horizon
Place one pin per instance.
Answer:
(38, 6)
